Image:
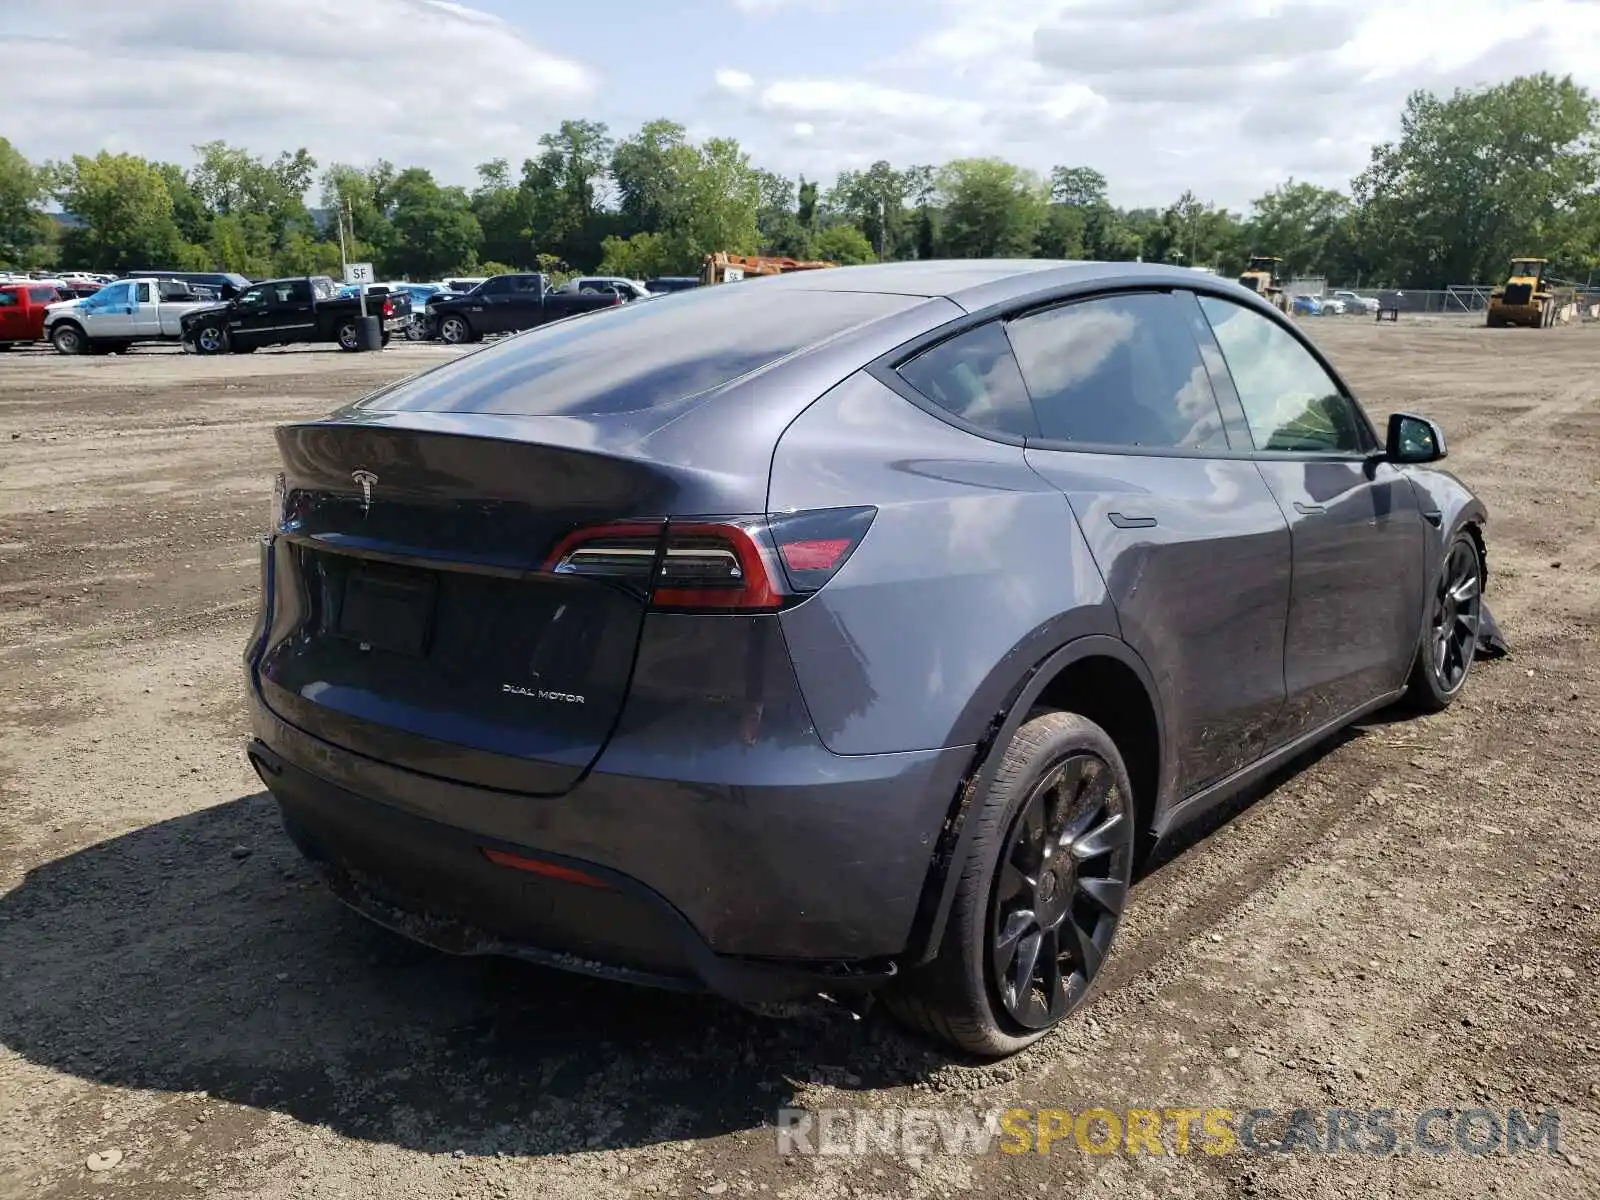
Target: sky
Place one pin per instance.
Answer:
(1224, 97)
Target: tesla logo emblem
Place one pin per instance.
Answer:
(366, 479)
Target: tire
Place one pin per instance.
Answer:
(348, 336)
(68, 338)
(1438, 673)
(455, 330)
(1061, 774)
(210, 339)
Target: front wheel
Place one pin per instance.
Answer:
(69, 339)
(1039, 896)
(455, 331)
(211, 339)
(1449, 641)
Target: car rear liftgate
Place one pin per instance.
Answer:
(419, 616)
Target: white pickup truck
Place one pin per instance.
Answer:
(120, 314)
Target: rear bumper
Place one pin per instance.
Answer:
(756, 893)
(433, 883)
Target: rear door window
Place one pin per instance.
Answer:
(631, 357)
(1119, 371)
(974, 376)
(43, 295)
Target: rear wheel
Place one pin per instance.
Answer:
(1040, 894)
(1450, 635)
(348, 336)
(69, 339)
(455, 330)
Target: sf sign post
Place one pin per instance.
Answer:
(359, 274)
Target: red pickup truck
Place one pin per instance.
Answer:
(22, 308)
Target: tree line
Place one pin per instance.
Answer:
(1472, 179)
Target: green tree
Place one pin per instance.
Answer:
(561, 189)
(874, 201)
(1478, 178)
(722, 199)
(126, 209)
(434, 229)
(778, 218)
(642, 256)
(922, 186)
(806, 204)
(843, 244)
(651, 172)
(992, 209)
(1307, 226)
(1077, 187)
(23, 228)
(357, 196)
(1061, 233)
(498, 205)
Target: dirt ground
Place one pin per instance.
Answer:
(1409, 919)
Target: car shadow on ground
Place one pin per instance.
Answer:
(199, 954)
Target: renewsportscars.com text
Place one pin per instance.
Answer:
(923, 1132)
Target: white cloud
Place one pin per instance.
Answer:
(411, 80)
(1227, 97)
(734, 81)
(854, 122)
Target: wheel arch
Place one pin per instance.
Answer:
(1098, 676)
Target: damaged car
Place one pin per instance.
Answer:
(850, 631)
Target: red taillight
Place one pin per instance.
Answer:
(388, 308)
(740, 564)
(549, 870)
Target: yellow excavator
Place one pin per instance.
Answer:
(723, 267)
(1526, 298)
(1261, 277)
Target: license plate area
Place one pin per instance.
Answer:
(388, 608)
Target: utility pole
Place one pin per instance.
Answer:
(361, 288)
(344, 261)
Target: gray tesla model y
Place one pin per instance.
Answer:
(847, 630)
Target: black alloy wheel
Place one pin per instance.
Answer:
(1059, 891)
(1456, 612)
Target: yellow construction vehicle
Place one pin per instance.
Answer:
(1525, 298)
(723, 267)
(1261, 277)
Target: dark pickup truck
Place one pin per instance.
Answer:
(278, 312)
(506, 304)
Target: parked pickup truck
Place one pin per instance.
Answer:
(120, 314)
(24, 305)
(279, 312)
(505, 304)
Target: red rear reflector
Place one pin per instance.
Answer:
(534, 866)
(819, 554)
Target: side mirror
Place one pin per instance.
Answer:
(1414, 439)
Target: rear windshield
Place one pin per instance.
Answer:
(639, 356)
